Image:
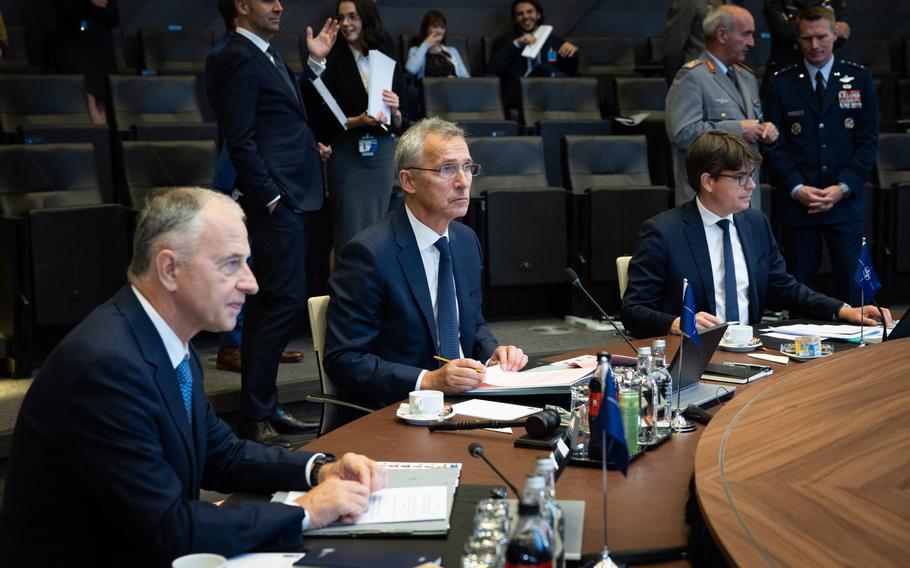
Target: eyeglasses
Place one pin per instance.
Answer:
(353, 17)
(448, 171)
(742, 179)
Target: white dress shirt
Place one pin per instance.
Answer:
(715, 237)
(429, 254)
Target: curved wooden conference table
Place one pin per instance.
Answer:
(812, 468)
(647, 508)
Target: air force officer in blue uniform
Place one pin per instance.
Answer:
(826, 112)
(115, 437)
(409, 286)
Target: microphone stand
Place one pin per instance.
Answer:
(680, 423)
(574, 280)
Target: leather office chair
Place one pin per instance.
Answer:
(622, 273)
(516, 200)
(154, 167)
(69, 250)
(474, 103)
(317, 307)
(158, 108)
(612, 171)
(565, 98)
(168, 51)
(41, 109)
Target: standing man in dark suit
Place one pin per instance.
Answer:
(725, 249)
(557, 57)
(279, 173)
(827, 114)
(408, 288)
(782, 17)
(684, 37)
(115, 437)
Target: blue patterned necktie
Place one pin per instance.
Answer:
(447, 316)
(185, 381)
(282, 69)
(731, 299)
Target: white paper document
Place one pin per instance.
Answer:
(542, 33)
(492, 410)
(264, 560)
(382, 71)
(833, 331)
(330, 101)
(400, 505)
(782, 359)
(633, 120)
(494, 376)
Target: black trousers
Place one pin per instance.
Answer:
(279, 245)
(803, 252)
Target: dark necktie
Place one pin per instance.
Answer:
(819, 87)
(731, 299)
(731, 73)
(282, 70)
(185, 381)
(447, 313)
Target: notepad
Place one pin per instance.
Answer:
(399, 505)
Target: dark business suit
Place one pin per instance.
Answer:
(105, 468)
(381, 329)
(507, 63)
(673, 246)
(820, 146)
(225, 174)
(268, 136)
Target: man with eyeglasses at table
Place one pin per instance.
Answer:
(407, 289)
(725, 249)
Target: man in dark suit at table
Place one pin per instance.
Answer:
(408, 287)
(557, 57)
(279, 172)
(115, 437)
(725, 249)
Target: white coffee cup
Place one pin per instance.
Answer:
(738, 334)
(425, 402)
(200, 560)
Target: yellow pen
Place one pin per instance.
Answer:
(444, 360)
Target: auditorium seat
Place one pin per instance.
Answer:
(39, 109)
(518, 201)
(158, 108)
(647, 95)
(153, 167)
(69, 249)
(474, 103)
(551, 133)
(565, 98)
(288, 45)
(893, 169)
(15, 57)
(605, 58)
(612, 171)
(168, 51)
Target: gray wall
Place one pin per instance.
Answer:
(637, 19)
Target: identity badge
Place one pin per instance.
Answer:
(367, 145)
(552, 55)
(796, 128)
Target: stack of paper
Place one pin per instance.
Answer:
(542, 380)
(833, 331)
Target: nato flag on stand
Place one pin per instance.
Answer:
(687, 317)
(611, 425)
(865, 275)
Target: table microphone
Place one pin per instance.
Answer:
(573, 279)
(538, 425)
(476, 451)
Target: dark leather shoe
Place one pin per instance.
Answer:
(228, 359)
(284, 423)
(263, 433)
(291, 356)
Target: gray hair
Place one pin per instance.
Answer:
(720, 17)
(171, 220)
(409, 151)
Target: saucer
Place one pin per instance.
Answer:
(789, 348)
(753, 344)
(404, 412)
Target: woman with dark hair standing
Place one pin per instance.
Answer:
(361, 171)
(84, 45)
(432, 57)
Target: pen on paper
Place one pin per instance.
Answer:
(444, 360)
